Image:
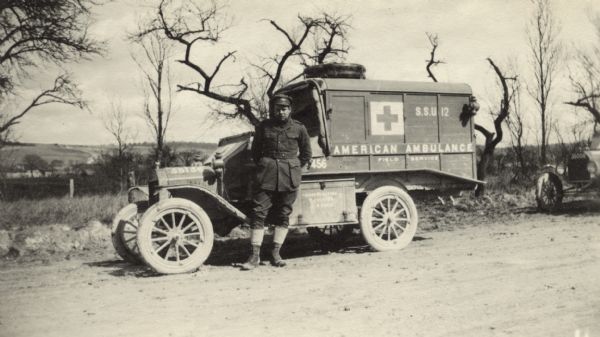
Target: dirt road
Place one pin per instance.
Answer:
(538, 276)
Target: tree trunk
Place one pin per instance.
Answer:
(521, 160)
(482, 167)
(543, 149)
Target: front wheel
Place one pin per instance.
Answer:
(548, 192)
(175, 236)
(388, 218)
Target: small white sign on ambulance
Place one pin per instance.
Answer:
(387, 118)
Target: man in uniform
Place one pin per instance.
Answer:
(280, 149)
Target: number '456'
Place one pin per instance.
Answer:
(319, 163)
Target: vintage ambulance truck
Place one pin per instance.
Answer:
(374, 143)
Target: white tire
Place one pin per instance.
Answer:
(388, 218)
(175, 236)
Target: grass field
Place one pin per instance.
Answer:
(73, 212)
(81, 209)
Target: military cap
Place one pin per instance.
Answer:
(281, 99)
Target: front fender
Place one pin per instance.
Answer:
(552, 172)
(548, 174)
(548, 169)
(137, 194)
(218, 209)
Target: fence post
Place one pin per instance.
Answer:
(71, 188)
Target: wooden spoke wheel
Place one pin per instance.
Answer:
(548, 192)
(124, 234)
(175, 236)
(388, 218)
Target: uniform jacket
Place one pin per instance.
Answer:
(280, 151)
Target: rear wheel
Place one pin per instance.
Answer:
(548, 192)
(175, 236)
(388, 218)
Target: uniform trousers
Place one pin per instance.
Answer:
(277, 205)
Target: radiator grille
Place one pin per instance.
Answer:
(577, 168)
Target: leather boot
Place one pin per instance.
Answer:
(253, 260)
(256, 238)
(278, 238)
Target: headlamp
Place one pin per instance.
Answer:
(592, 168)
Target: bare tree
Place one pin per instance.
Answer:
(34, 33)
(120, 164)
(115, 122)
(492, 139)
(329, 42)
(191, 26)
(515, 123)
(585, 78)
(158, 93)
(587, 91)
(64, 91)
(272, 68)
(196, 27)
(545, 51)
(434, 41)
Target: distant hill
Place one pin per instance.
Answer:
(145, 148)
(69, 155)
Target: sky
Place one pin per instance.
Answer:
(388, 38)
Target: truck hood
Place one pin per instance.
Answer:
(188, 175)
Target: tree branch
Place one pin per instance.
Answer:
(43, 31)
(504, 104)
(189, 25)
(294, 47)
(434, 41)
(486, 133)
(63, 91)
(217, 68)
(583, 103)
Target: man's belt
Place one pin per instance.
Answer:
(280, 155)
